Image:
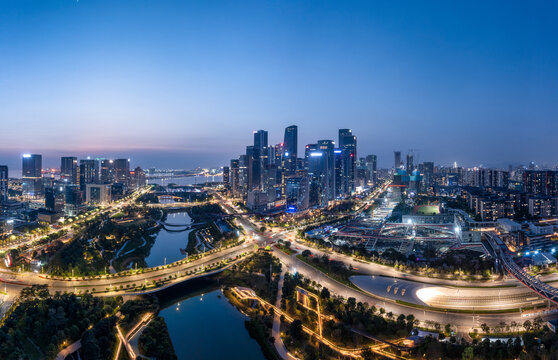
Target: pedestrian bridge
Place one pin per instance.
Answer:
(506, 261)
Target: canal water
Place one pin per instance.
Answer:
(168, 242)
(183, 181)
(204, 325)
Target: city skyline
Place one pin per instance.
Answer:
(185, 85)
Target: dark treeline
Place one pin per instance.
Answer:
(48, 323)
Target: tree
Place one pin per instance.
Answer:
(468, 353)
(296, 330)
(527, 325)
(485, 328)
(513, 325)
(325, 293)
(351, 303)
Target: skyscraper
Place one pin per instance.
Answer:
(291, 148)
(234, 177)
(321, 173)
(107, 171)
(397, 157)
(32, 177)
(227, 177)
(3, 183)
(338, 172)
(371, 166)
(32, 165)
(260, 139)
(410, 164)
(243, 165)
(348, 144)
(137, 178)
(69, 169)
(88, 172)
(121, 171)
(296, 194)
(254, 167)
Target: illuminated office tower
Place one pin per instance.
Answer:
(234, 177)
(348, 144)
(3, 184)
(260, 139)
(121, 171)
(371, 166)
(290, 143)
(107, 171)
(243, 165)
(309, 149)
(69, 169)
(297, 194)
(137, 178)
(88, 172)
(98, 194)
(321, 173)
(397, 156)
(227, 177)
(32, 185)
(338, 173)
(254, 168)
(410, 164)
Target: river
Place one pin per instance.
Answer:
(204, 325)
(168, 243)
(186, 180)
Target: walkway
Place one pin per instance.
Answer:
(276, 330)
(69, 350)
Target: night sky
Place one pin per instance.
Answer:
(184, 83)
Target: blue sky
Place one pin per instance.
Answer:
(184, 83)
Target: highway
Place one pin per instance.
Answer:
(463, 321)
(118, 284)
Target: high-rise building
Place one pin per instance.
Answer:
(371, 166)
(541, 182)
(32, 185)
(97, 193)
(88, 172)
(309, 149)
(49, 198)
(227, 177)
(260, 139)
(73, 199)
(297, 193)
(254, 167)
(410, 164)
(243, 165)
(32, 165)
(137, 178)
(290, 142)
(348, 144)
(397, 158)
(3, 184)
(107, 171)
(69, 169)
(428, 173)
(321, 173)
(121, 170)
(54, 198)
(234, 177)
(338, 173)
